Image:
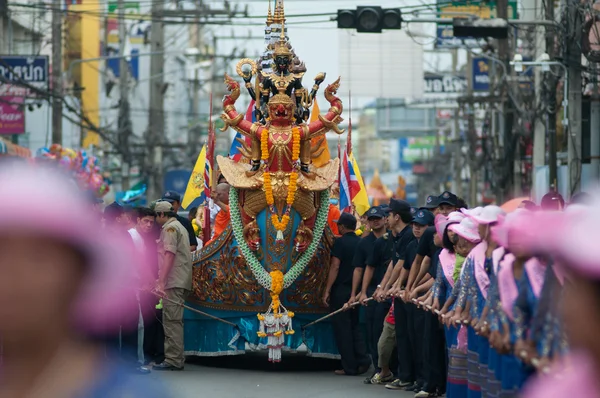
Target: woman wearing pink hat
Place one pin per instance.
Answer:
(474, 289)
(456, 383)
(513, 233)
(469, 238)
(57, 297)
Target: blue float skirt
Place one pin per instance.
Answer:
(456, 386)
(473, 374)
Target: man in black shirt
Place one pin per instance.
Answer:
(346, 329)
(175, 199)
(375, 313)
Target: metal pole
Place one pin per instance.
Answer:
(573, 96)
(471, 134)
(123, 121)
(541, 93)
(552, 107)
(595, 130)
(457, 153)
(57, 83)
(155, 141)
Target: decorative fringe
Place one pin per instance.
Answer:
(274, 324)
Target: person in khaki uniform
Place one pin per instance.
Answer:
(174, 282)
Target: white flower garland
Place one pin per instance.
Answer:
(259, 272)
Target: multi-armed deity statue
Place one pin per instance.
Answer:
(279, 200)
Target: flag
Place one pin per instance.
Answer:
(319, 143)
(345, 198)
(234, 151)
(361, 199)
(195, 186)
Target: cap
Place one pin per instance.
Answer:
(375, 212)
(399, 206)
(431, 202)
(441, 222)
(385, 208)
(163, 206)
(413, 210)
(472, 212)
(448, 198)
(552, 201)
(347, 220)
(423, 217)
(172, 196)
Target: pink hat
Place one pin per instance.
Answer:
(472, 212)
(572, 235)
(441, 222)
(488, 215)
(467, 229)
(522, 224)
(455, 217)
(63, 212)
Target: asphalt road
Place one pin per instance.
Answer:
(251, 375)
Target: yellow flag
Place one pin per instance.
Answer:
(195, 187)
(319, 142)
(361, 200)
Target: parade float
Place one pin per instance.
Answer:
(84, 168)
(263, 278)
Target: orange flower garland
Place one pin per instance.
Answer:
(280, 225)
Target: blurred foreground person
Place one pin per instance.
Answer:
(61, 294)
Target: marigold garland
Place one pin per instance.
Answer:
(282, 224)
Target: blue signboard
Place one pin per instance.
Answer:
(481, 75)
(32, 70)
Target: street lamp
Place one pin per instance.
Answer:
(544, 62)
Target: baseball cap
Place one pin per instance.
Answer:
(423, 217)
(163, 206)
(375, 212)
(385, 208)
(448, 198)
(552, 201)
(431, 202)
(172, 196)
(347, 220)
(113, 210)
(399, 206)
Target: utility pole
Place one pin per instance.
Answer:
(551, 105)
(57, 82)
(457, 153)
(573, 97)
(155, 140)
(471, 134)
(595, 128)
(194, 130)
(123, 121)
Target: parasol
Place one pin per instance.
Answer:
(513, 204)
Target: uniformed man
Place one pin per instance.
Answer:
(174, 282)
(175, 199)
(447, 203)
(346, 329)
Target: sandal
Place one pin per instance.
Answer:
(378, 379)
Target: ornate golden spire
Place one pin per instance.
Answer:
(269, 15)
(279, 12)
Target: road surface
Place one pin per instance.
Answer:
(252, 376)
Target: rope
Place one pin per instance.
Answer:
(336, 312)
(187, 307)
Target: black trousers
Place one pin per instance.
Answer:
(406, 367)
(416, 326)
(375, 314)
(154, 335)
(434, 354)
(348, 337)
(124, 343)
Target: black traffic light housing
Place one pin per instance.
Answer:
(370, 19)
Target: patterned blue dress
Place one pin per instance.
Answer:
(456, 386)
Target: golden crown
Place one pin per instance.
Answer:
(281, 99)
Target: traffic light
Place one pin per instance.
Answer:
(370, 19)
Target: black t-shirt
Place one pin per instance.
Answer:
(426, 246)
(364, 251)
(409, 254)
(187, 224)
(404, 238)
(344, 248)
(382, 253)
(435, 261)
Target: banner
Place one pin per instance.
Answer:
(18, 72)
(481, 74)
(12, 115)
